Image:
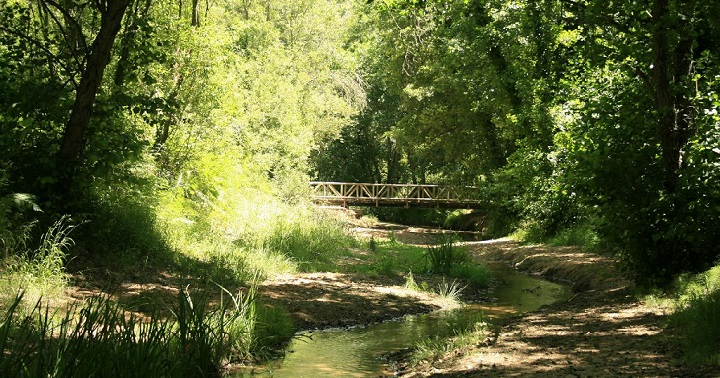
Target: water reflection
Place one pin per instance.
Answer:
(356, 352)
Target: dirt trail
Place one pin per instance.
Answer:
(603, 331)
(333, 300)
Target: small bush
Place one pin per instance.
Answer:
(583, 236)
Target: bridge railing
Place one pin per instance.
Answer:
(345, 193)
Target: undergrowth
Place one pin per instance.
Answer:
(583, 235)
(39, 271)
(99, 338)
(696, 317)
(253, 233)
(390, 257)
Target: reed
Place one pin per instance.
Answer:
(440, 259)
(99, 338)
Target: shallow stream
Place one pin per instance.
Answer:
(359, 352)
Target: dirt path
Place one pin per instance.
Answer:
(333, 300)
(603, 331)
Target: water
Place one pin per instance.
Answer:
(358, 352)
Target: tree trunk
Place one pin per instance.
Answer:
(73, 139)
(195, 20)
(674, 119)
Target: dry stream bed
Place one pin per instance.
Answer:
(603, 330)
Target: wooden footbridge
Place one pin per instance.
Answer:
(407, 195)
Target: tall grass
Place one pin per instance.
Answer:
(26, 262)
(696, 318)
(95, 339)
(434, 348)
(447, 259)
(39, 271)
(309, 238)
(100, 339)
(252, 232)
(441, 258)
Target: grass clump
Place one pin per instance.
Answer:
(99, 338)
(440, 258)
(450, 290)
(475, 275)
(447, 259)
(41, 270)
(463, 340)
(696, 318)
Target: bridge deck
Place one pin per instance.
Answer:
(408, 195)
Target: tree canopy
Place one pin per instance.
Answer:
(565, 113)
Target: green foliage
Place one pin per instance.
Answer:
(391, 258)
(475, 275)
(311, 240)
(96, 338)
(410, 216)
(41, 270)
(464, 339)
(695, 319)
(513, 97)
(100, 338)
(441, 258)
(584, 236)
(208, 125)
(527, 188)
(466, 220)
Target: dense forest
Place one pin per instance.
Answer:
(185, 133)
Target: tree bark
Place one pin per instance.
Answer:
(674, 119)
(73, 139)
(195, 19)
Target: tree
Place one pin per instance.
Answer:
(573, 114)
(74, 135)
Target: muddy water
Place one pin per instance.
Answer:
(358, 352)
